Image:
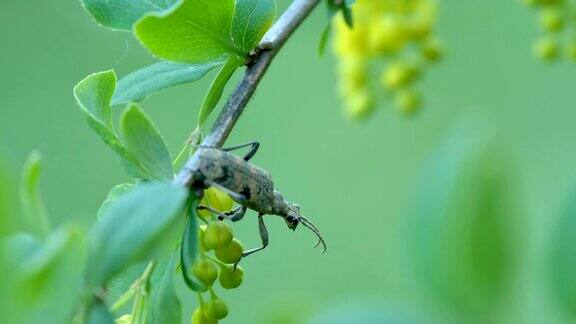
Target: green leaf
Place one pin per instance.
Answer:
(144, 142)
(114, 194)
(562, 265)
(17, 248)
(32, 205)
(164, 305)
(189, 247)
(94, 95)
(196, 31)
(51, 273)
(131, 229)
(251, 21)
(347, 14)
(99, 314)
(462, 232)
(217, 88)
(142, 83)
(122, 14)
(324, 39)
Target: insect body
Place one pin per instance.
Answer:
(250, 186)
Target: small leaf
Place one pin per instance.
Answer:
(32, 204)
(347, 14)
(145, 143)
(131, 229)
(51, 273)
(114, 194)
(189, 248)
(217, 88)
(197, 31)
(19, 247)
(142, 83)
(93, 95)
(251, 21)
(122, 14)
(164, 305)
(324, 39)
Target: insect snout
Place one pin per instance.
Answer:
(292, 221)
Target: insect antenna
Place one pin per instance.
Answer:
(308, 224)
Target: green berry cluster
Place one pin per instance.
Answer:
(555, 18)
(391, 36)
(218, 238)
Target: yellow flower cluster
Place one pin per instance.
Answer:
(391, 36)
(554, 16)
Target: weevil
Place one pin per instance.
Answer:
(248, 185)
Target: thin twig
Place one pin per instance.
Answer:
(268, 48)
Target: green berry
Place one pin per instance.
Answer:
(218, 234)
(198, 317)
(551, 20)
(231, 252)
(201, 237)
(206, 271)
(230, 278)
(546, 49)
(215, 309)
(408, 101)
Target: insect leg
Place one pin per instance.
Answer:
(250, 154)
(239, 198)
(221, 215)
(263, 237)
(237, 214)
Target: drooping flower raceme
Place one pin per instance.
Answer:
(386, 51)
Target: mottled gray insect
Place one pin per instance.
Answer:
(250, 186)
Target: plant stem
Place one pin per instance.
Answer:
(271, 43)
(135, 287)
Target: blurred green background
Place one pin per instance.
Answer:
(362, 184)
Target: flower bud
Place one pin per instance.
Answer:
(231, 252)
(388, 35)
(201, 236)
(398, 75)
(551, 20)
(432, 50)
(546, 49)
(206, 271)
(230, 278)
(218, 234)
(198, 317)
(408, 102)
(215, 309)
(216, 199)
(359, 105)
